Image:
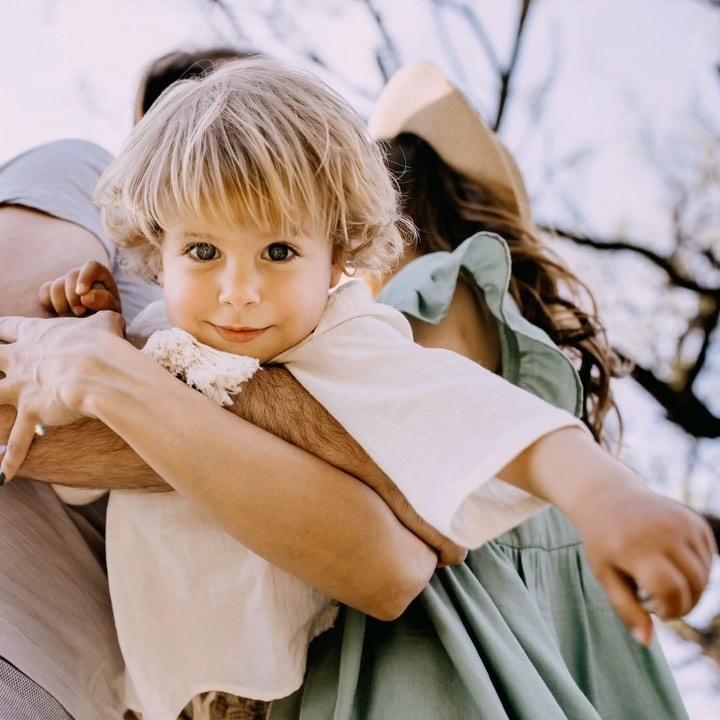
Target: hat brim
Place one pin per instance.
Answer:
(419, 99)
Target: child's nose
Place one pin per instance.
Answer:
(240, 286)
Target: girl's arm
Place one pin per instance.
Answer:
(633, 536)
(298, 512)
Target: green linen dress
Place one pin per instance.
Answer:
(521, 630)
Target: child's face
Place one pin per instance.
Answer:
(244, 292)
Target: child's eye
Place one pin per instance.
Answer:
(202, 251)
(279, 252)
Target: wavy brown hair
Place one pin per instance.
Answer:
(447, 208)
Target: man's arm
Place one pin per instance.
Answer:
(88, 454)
(85, 454)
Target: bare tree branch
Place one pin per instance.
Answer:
(474, 24)
(708, 324)
(507, 74)
(231, 19)
(676, 277)
(682, 406)
(388, 56)
(446, 41)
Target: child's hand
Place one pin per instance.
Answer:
(89, 288)
(635, 539)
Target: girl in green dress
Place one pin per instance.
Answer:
(522, 630)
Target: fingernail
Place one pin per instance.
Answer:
(2, 478)
(640, 636)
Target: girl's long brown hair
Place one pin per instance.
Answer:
(447, 208)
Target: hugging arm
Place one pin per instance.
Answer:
(298, 512)
(88, 454)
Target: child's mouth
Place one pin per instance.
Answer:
(238, 335)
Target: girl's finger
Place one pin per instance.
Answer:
(71, 296)
(58, 297)
(668, 586)
(18, 445)
(95, 272)
(622, 594)
(44, 295)
(707, 543)
(691, 562)
(98, 298)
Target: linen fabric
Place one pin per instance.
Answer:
(522, 630)
(360, 363)
(197, 611)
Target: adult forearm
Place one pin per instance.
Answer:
(275, 401)
(306, 516)
(298, 512)
(84, 454)
(89, 454)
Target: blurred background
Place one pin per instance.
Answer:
(611, 107)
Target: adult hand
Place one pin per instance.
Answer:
(47, 364)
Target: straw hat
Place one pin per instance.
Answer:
(419, 99)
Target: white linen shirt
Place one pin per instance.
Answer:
(197, 611)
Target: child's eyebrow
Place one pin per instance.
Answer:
(192, 235)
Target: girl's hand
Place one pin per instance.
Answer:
(47, 364)
(641, 543)
(89, 288)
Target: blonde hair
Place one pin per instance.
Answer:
(264, 146)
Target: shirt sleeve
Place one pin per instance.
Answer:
(439, 425)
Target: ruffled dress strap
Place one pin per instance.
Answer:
(424, 289)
